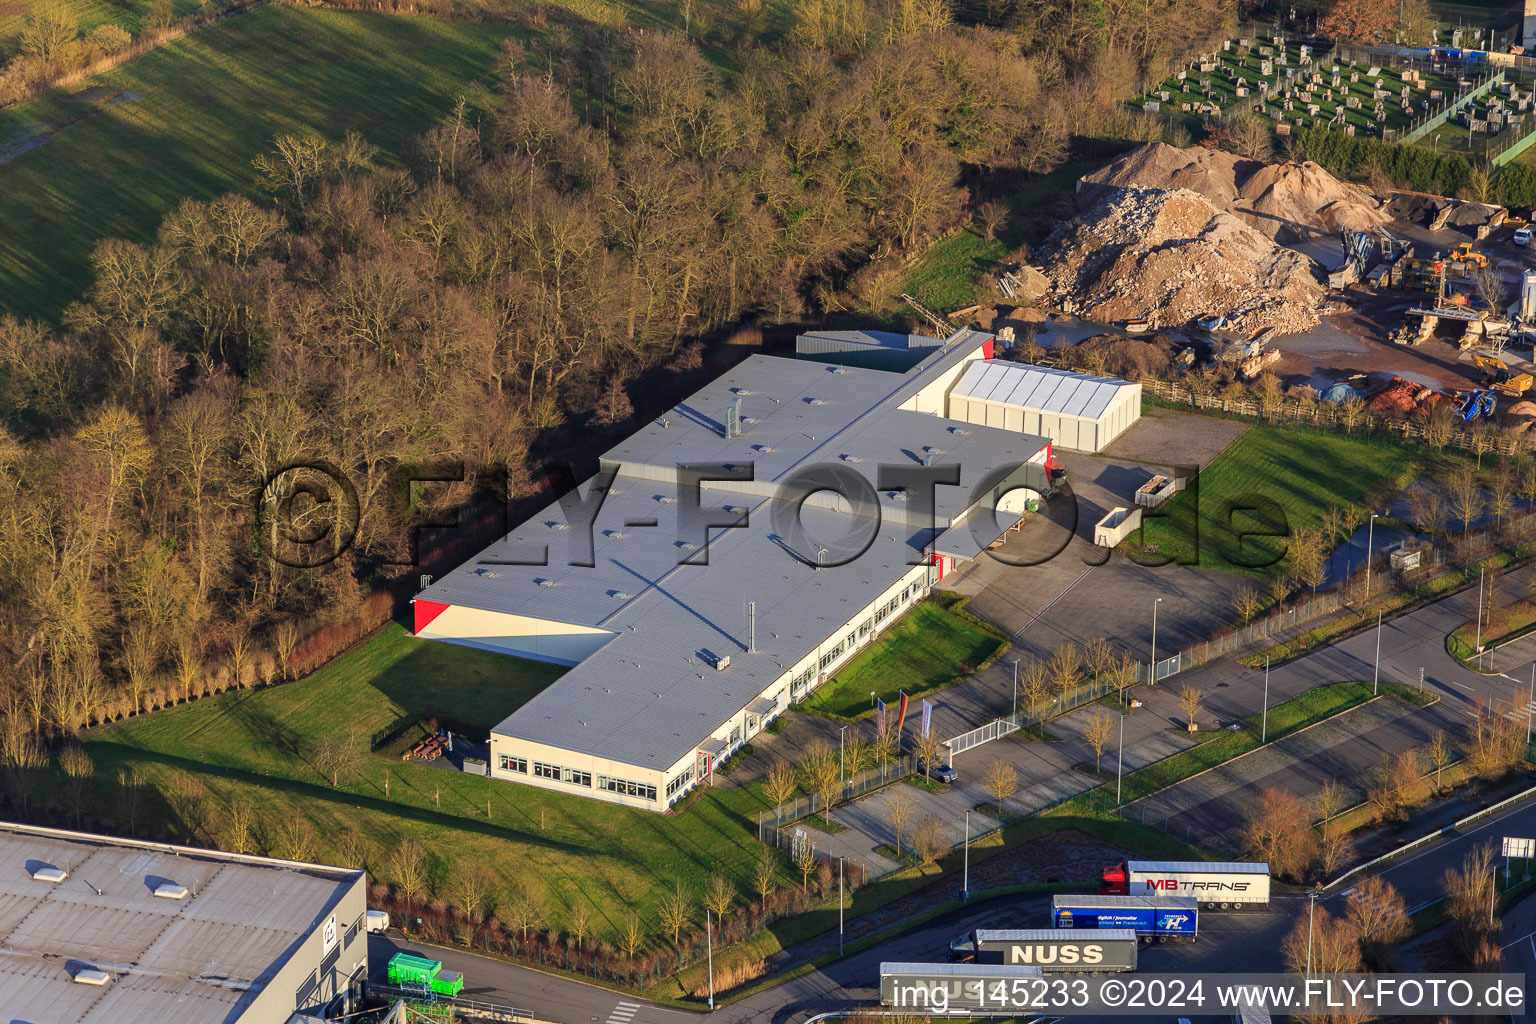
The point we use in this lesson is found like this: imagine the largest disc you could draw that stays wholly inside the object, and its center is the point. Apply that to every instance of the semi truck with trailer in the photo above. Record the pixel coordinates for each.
(1217, 885)
(1152, 918)
(1053, 950)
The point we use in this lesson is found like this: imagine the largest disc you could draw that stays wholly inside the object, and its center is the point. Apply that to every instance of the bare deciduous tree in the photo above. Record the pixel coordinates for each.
(1189, 702)
(899, 810)
(1098, 731)
(1002, 781)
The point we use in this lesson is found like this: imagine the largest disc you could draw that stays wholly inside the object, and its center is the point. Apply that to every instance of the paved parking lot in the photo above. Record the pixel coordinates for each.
(1348, 749)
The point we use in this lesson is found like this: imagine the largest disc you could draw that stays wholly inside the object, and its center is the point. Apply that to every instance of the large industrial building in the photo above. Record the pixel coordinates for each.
(95, 930)
(687, 640)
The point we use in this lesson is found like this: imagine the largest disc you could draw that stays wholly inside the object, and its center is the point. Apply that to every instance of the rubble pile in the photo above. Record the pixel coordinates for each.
(1291, 202)
(1519, 417)
(1286, 201)
(1171, 256)
(1400, 396)
(1213, 173)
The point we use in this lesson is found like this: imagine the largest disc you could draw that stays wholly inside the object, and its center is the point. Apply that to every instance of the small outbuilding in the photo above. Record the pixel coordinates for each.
(1075, 410)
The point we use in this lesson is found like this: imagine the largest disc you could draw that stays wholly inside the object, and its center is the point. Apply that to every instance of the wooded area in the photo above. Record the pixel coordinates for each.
(621, 204)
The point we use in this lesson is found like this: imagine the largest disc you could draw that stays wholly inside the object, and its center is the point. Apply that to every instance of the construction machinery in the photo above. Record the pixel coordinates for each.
(1358, 249)
(1478, 403)
(1464, 254)
(1501, 378)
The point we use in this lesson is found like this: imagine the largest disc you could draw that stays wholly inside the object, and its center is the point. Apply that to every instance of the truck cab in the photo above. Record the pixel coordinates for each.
(1113, 883)
(1523, 235)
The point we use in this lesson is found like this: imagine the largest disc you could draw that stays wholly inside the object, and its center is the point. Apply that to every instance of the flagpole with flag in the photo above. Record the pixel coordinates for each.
(880, 719)
(901, 717)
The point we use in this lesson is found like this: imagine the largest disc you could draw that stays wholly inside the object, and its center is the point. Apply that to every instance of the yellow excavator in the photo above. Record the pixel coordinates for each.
(1463, 254)
(1501, 378)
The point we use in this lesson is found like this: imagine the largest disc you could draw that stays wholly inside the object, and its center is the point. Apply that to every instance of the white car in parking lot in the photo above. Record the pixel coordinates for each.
(1523, 235)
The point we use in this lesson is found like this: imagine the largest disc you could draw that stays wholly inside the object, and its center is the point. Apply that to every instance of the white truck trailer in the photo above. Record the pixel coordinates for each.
(1217, 885)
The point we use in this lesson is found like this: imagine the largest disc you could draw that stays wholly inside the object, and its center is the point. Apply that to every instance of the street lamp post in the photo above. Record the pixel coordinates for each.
(1152, 675)
(839, 906)
(709, 945)
(1480, 572)
(1530, 706)
(1120, 760)
(965, 884)
(1370, 550)
(1376, 672)
(841, 777)
(1264, 721)
(1311, 912)
(1016, 691)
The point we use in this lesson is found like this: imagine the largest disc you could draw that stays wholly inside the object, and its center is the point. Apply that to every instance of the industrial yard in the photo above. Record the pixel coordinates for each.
(1197, 265)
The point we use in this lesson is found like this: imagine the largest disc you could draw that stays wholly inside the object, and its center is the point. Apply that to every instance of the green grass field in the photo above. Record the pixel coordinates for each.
(927, 649)
(1270, 482)
(252, 747)
(191, 116)
(128, 14)
(946, 276)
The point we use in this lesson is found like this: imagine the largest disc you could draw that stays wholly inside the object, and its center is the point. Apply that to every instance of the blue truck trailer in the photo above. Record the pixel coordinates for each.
(1160, 918)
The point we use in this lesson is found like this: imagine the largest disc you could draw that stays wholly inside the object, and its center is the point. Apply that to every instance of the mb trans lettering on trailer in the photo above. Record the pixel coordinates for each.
(1223, 886)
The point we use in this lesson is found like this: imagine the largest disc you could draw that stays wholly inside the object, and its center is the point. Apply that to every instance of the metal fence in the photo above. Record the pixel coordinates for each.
(1353, 419)
(1002, 726)
(856, 786)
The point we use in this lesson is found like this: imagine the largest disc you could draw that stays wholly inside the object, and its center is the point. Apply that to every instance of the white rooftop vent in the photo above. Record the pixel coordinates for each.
(554, 525)
(762, 447)
(740, 391)
(666, 499)
(171, 891)
(47, 872)
(489, 574)
(722, 663)
(91, 976)
(817, 401)
(544, 581)
(849, 458)
(615, 534)
(837, 369)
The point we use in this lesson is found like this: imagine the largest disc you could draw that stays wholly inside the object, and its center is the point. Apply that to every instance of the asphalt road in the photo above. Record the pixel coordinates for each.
(1229, 942)
(1239, 942)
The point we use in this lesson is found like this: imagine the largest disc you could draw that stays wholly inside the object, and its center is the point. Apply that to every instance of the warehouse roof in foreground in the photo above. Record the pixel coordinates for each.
(207, 954)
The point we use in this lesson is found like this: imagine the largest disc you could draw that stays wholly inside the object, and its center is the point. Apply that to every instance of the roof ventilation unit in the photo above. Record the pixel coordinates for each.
(41, 872)
(544, 581)
(91, 976)
(817, 401)
(722, 663)
(485, 573)
(169, 890)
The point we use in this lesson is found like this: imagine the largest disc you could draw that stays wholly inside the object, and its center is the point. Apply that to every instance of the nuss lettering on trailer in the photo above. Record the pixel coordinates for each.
(1049, 953)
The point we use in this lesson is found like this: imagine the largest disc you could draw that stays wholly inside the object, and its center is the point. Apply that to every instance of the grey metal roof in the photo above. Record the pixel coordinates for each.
(1095, 902)
(203, 958)
(651, 694)
(1222, 866)
(984, 935)
(872, 339)
(1039, 388)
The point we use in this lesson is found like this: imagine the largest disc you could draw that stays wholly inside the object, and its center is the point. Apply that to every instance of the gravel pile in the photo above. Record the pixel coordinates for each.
(1287, 201)
(1171, 256)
